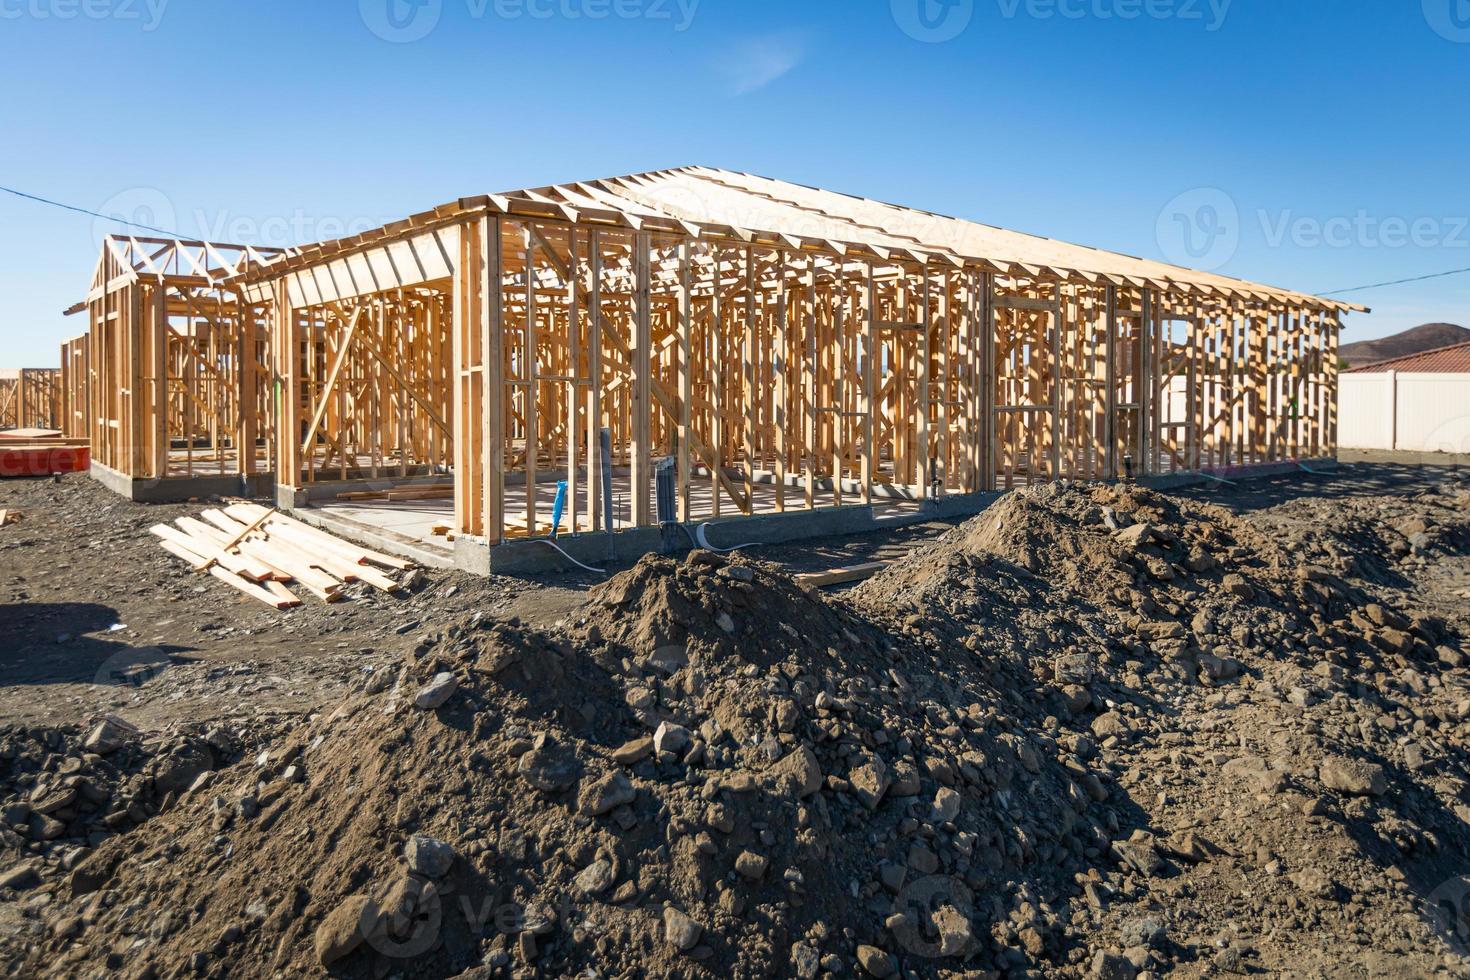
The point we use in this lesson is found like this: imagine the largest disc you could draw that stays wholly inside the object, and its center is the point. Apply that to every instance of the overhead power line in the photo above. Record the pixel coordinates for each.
(174, 234)
(95, 214)
(1396, 282)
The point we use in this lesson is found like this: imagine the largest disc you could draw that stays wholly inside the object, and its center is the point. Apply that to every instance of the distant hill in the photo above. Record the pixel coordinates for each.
(1426, 336)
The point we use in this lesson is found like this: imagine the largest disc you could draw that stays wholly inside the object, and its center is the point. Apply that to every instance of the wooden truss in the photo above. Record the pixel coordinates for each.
(169, 379)
(782, 348)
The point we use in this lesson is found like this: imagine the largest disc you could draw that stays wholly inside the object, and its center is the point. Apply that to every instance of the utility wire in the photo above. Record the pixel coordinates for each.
(95, 214)
(1396, 282)
(174, 234)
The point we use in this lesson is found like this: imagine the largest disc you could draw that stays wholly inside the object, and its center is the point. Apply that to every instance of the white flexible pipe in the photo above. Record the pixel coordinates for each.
(548, 541)
(704, 541)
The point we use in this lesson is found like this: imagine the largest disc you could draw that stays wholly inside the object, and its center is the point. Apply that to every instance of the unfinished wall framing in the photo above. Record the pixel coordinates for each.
(783, 348)
(76, 392)
(176, 384)
(30, 398)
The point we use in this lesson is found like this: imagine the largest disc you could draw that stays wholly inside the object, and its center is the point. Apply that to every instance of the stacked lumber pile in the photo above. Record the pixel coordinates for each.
(412, 492)
(257, 550)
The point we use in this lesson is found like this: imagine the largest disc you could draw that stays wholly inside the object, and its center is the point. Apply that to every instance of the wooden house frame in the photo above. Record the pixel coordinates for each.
(784, 348)
(170, 380)
(76, 392)
(30, 398)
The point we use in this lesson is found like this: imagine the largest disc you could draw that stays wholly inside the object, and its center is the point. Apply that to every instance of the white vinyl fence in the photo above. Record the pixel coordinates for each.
(1427, 413)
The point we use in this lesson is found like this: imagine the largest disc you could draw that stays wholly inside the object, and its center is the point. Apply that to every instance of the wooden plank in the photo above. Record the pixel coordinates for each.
(281, 592)
(642, 408)
(265, 595)
(595, 387)
(177, 549)
(684, 377)
(248, 510)
(314, 580)
(780, 389)
(748, 385)
(208, 550)
(838, 576)
(330, 385)
(237, 538)
(869, 462)
(492, 339)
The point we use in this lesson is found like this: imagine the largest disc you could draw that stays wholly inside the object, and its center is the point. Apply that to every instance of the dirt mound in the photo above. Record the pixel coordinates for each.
(1380, 539)
(66, 789)
(1063, 741)
(1269, 707)
(1077, 535)
(714, 773)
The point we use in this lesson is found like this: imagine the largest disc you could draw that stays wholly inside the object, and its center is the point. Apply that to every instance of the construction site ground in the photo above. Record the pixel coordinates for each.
(1245, 753)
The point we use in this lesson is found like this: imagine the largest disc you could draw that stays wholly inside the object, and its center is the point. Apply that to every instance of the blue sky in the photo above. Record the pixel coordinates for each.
(1315, 144)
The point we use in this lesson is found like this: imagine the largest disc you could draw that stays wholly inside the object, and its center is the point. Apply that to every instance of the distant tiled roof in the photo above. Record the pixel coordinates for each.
(1454, 359)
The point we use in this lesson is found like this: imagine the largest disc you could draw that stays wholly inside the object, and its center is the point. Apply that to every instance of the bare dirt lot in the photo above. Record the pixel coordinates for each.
(1094, 731)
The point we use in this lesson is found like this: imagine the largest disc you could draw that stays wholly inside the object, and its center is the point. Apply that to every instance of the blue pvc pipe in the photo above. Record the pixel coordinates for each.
(558, 506)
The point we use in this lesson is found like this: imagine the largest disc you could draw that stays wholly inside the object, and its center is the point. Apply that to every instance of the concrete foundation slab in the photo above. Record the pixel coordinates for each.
(1230, 474)
(405, 527)
(595, 550)
(402, 528)
(175, 489)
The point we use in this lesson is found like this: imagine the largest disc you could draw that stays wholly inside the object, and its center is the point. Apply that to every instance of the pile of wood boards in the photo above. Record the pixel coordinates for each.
(408, 492)
(257, 550)
(8, 516)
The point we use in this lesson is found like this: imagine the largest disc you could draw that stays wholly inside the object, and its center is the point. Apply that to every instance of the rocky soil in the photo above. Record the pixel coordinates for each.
(1096, 731)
